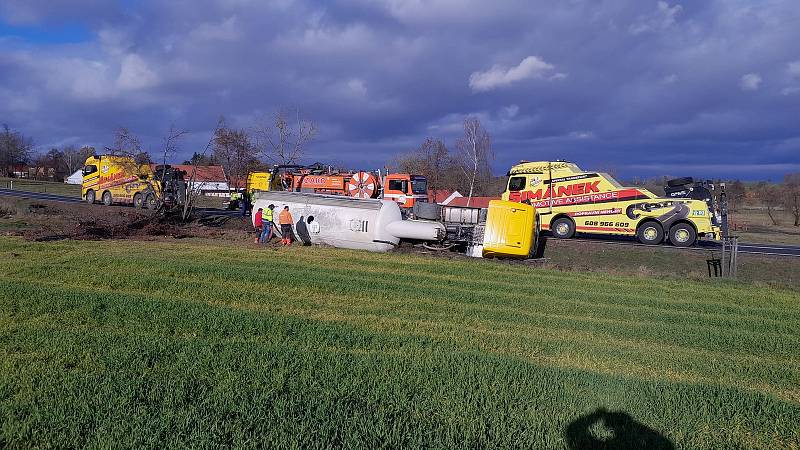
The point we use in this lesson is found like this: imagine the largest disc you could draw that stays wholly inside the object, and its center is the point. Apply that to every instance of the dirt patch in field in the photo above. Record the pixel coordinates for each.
(48, 221)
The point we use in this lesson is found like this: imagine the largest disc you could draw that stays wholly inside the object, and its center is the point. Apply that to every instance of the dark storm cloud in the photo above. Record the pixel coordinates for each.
(703, 88)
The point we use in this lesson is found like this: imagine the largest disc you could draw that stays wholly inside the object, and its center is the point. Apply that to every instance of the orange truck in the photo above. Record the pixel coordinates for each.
(403, 188)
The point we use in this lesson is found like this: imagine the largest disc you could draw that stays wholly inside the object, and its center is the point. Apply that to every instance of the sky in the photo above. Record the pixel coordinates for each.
(639, 87)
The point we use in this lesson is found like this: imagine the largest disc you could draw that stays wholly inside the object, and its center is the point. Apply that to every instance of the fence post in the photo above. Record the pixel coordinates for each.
(730, 256)
(724, 259)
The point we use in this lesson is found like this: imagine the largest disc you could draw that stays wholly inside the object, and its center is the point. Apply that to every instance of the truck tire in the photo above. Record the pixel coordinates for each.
(107, 198)
(682, 235)
(90, 197)
(563, 228)
(138, 201)
(650, 233)
(683, 181)
(150, 202)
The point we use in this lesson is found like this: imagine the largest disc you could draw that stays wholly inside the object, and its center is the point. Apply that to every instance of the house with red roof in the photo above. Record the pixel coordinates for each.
(442, 196)
(206, 180)
(474, 202)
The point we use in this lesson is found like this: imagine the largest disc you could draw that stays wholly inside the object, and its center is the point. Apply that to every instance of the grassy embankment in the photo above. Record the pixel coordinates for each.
(666, 261)
(193, 343)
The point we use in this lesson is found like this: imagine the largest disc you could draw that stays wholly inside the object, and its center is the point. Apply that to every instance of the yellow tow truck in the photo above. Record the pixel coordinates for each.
(119, 179)
(570, 200)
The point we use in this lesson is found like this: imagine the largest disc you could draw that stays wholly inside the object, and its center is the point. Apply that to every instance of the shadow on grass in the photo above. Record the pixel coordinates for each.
(604, 429)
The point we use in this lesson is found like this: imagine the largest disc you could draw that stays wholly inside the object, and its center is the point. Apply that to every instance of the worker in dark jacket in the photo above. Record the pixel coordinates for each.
(245, 203)
(286, 221)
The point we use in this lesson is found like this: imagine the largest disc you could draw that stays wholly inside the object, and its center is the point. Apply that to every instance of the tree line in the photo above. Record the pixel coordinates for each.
(284, 136)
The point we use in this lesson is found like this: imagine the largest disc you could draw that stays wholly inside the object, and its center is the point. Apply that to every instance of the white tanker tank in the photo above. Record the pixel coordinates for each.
(345, 222)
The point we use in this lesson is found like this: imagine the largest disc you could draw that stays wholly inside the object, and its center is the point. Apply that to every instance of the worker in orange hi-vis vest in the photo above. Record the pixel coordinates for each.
(286, 221)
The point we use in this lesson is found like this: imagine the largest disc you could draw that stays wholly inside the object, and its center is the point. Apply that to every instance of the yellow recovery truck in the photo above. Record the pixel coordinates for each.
(119, 179)
(571, 200)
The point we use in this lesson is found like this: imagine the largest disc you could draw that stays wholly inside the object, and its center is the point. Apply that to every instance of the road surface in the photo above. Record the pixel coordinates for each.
(67, 199)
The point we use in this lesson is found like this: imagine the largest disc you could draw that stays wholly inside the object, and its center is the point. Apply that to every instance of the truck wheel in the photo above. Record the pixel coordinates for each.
(90, 197)
(107, 199)
(138, 201)
(150, 202)
(563, 228)
(682, 235)
(650, 233)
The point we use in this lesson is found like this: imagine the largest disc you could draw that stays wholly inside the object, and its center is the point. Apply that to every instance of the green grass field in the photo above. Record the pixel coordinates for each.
(759, 227)
(194, 343)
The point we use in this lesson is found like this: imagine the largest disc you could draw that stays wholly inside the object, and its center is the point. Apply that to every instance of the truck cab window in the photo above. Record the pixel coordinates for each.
(419, 185)
(396, 185)
(516, 184)
(87, 170)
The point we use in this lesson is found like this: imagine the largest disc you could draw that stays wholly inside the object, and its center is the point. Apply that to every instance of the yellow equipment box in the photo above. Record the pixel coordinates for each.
(510, 229)
(259, 181)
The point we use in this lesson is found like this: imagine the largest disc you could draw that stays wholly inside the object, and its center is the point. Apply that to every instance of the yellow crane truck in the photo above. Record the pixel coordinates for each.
(570, 200)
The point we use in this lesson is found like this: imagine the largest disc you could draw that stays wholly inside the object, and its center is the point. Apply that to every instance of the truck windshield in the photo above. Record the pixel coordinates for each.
(419, 185)
(516, 184)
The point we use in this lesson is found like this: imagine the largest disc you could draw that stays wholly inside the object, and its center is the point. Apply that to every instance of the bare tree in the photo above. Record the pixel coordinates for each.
(128, 145)
(74, 158)
(192, 188)
(235, 150)
(433, 160)
(125, 143)
(735, 193)
(769, 195)
(15, 149)
(475, 154)
(284, 139)
(791, 196)
(170, 143)
(169, 148)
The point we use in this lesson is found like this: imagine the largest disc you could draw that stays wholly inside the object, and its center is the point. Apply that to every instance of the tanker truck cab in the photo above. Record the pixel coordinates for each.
(405, 189)
(570, 200)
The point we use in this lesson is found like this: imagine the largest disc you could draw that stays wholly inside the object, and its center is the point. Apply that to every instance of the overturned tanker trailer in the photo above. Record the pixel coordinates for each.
(505, 229)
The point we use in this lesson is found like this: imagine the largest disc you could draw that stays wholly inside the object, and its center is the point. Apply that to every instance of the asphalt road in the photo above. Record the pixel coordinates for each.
(67, 199)
(755, 249)
(39, 196)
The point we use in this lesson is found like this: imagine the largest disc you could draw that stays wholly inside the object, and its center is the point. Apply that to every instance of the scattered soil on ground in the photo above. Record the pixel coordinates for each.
(38, 220)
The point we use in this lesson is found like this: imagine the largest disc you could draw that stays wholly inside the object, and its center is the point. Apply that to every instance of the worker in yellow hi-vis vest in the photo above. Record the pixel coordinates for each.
(267, 219)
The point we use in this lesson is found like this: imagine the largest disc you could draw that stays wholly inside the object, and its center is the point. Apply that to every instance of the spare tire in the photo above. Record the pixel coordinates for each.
(427, 211)
(683, 181)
